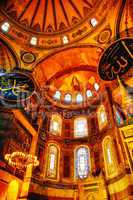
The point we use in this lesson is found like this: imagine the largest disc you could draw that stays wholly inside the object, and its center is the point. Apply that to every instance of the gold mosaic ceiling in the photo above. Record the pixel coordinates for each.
(50, 16)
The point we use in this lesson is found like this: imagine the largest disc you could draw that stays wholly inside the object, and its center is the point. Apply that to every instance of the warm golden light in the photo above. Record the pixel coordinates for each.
(21, 160)
(12, 192)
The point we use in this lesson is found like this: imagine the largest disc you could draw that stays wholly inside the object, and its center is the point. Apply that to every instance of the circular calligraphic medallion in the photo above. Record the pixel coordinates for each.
(15, 87)
(28, 57)
(116, 60)
(104, 36)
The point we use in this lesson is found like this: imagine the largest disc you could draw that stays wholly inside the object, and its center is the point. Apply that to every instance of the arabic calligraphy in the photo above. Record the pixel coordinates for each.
(15, 86)
(117, 59)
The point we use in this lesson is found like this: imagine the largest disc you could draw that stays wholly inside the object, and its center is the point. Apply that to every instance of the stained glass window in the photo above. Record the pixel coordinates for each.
(94, 22)
(56, 124)
(65, 39)
(57, 95)
(52, 162)
(118, 118)
(80, 127)
(102, 117)
(33, 41)
(82, 162)
(89, 93)
(79, 98)
(5, 26)
(110, 157)
(68, 98)
(96, 86)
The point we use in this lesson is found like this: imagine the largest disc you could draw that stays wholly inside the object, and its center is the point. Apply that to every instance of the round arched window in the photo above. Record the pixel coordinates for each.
(68, 98)
(57, 95)
(96, 86)
(79, 98)
(89, 93)
(82, 162)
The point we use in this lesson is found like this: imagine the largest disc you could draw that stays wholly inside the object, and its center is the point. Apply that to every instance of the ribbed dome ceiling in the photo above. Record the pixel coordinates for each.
(50, 16)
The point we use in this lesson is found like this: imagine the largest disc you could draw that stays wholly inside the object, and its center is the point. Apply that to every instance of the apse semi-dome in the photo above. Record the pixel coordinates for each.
(69, 78)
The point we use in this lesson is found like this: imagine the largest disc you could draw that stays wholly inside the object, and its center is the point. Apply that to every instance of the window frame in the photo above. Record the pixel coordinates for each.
(102, 124)
(66, 101)
(59, 121)
(76, 176)
(111, 164)
(58, 97)
(48, 173)
(84, 118)
(81, 96)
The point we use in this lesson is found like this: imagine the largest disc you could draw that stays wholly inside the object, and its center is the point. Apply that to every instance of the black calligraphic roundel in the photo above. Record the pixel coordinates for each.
(15, 87)
(116, 60)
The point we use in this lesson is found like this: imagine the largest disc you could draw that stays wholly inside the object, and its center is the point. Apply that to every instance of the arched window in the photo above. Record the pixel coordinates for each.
(79, 98)
(33, 41)
(119, 114)
(110, 157)
(80, 127)
(102, 117)
(65, 39)
(82, 167)
(94, 22)
(57, 95)
(96, 86)
(118, 118)
(56, 124)
(52, 161)
(89, 93)
(5, 27)
(68, 98)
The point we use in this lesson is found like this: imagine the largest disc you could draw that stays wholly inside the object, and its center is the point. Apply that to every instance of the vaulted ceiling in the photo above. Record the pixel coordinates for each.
(50, 16)
(66, 61)
(49, 21)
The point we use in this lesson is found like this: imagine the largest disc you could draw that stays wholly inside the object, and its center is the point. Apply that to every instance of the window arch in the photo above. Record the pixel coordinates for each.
(102, 117)
(80, 127)
(52, 161)
(56, 124)
(96, 86)
(79, 98)
(89, 93)
(5, 27)
(57, 95)
(118, 116)
(33, 41)
(119, 119)
(65, 39)
(110, 157)
(82, 163)
(68, 98)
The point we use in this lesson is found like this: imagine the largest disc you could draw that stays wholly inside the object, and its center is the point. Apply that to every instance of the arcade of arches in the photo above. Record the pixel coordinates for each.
(66, 100)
